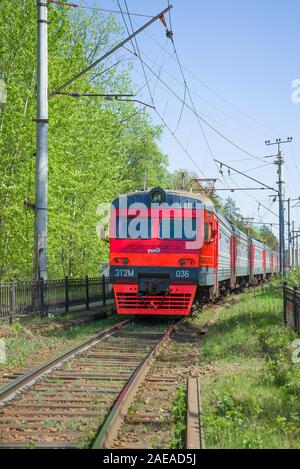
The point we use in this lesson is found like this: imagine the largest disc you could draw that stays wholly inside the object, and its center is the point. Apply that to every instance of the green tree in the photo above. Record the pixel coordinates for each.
(97, 150)
(268, 237)
(231, 210)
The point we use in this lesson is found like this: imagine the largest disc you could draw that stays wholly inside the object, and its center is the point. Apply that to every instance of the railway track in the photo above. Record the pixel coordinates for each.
(64, 403)
(149, 421)
(82, 398)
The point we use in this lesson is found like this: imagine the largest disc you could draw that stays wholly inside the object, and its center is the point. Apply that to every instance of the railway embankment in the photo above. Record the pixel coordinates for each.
(250, 378)
(30, 343)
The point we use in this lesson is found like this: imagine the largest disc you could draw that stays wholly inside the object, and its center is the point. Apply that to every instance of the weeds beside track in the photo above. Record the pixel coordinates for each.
(250, 386)
(64, 403)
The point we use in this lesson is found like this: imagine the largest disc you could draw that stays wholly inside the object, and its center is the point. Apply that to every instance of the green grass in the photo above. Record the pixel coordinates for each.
(250, 386)
(27, 349)
(178, 410)
(292, 279)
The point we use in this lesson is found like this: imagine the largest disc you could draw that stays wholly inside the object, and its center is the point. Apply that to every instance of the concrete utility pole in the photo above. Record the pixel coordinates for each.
(41, 191)
(293, 245)
(41, 187)
(280, 162)
(281, 183)
(289, 232)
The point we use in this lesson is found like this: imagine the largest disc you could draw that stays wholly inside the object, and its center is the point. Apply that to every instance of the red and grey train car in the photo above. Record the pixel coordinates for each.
(169, 249)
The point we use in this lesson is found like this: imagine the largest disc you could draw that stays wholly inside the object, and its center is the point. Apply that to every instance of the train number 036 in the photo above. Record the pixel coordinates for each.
(182, 274)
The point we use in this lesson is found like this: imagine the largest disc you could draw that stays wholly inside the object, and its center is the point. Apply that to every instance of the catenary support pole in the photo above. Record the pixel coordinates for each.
(281, 191)
(293, 245)
(41, 190)
(289, 232)
(280, 162)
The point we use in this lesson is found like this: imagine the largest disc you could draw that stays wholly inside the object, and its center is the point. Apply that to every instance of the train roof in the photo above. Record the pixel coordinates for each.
(240, 233)
(183, 197)
(172, 197)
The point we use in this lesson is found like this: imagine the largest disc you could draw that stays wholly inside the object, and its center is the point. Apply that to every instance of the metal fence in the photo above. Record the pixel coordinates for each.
(28, 298)
(291, 298)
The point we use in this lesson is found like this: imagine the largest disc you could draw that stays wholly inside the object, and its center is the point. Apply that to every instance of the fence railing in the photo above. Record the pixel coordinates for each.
(29, 298)
(291, 299)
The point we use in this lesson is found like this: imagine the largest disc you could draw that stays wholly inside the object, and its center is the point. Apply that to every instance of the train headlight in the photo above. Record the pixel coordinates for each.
(157, 195)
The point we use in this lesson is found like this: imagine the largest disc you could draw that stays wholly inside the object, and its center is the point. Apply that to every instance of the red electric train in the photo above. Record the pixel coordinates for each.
(169, 249)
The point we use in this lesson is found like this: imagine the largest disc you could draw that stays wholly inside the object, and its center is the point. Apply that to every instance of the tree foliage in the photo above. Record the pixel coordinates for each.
(97, 149)
(264, 234)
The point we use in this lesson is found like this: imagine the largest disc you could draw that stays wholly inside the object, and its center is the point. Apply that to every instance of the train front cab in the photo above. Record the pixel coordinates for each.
(156, 275)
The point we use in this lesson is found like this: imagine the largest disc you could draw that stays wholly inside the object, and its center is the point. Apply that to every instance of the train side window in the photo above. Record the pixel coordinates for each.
(207, 232)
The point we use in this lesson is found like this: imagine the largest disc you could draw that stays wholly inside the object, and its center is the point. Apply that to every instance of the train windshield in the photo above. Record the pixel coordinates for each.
(134, 228)
(165, 228)
(178, 228)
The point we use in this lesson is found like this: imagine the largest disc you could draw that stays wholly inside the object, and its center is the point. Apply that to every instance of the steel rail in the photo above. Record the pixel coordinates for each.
(195, 430)
(10, 390)
(112, 424)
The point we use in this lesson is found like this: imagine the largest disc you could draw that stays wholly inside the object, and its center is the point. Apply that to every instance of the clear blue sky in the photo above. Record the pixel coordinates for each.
(247, 52)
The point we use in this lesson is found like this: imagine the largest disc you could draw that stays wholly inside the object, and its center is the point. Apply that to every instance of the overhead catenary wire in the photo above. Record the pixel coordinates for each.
(163, 63)
(222, 124)
(138, 111)
(233, 106)
(260, 204)
(254, 169)
(210, 104)
(178, 142)
(100, 9)
(191, 99)
(108, 53)
(192, 102)
(197, 114)
(184, 104)
(138, 53)
(200, 118)
(243, 174)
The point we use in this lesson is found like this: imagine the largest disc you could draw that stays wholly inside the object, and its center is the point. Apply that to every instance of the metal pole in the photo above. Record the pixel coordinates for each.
(297, 252)
(66, 294)
(280, 162)
(293, 246)
(12, 303)
(87, 295)
(41, 187)
(281, 183)
(289, 232)
(103, 290)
